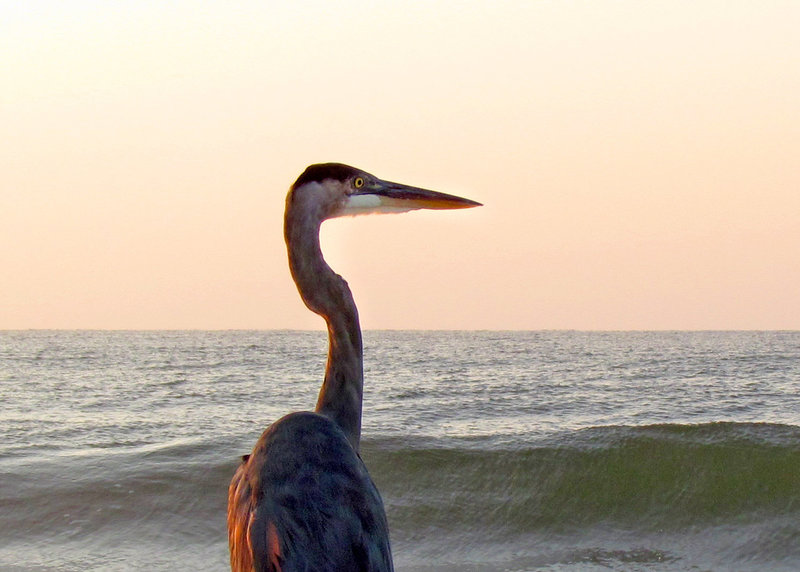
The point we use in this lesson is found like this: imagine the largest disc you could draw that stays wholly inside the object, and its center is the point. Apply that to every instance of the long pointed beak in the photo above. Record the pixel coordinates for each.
(396, 194)
(386, 197)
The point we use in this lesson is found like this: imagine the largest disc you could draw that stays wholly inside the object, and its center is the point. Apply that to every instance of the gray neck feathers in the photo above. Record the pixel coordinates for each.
(327, 294)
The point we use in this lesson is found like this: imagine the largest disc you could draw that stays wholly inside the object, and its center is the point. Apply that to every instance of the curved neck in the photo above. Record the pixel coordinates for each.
(327, 294)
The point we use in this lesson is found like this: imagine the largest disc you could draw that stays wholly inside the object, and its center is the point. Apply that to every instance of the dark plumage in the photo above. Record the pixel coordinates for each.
(314, 492)
(322, 171)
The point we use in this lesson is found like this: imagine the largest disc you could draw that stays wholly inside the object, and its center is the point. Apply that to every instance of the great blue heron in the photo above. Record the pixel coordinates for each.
(303, 499)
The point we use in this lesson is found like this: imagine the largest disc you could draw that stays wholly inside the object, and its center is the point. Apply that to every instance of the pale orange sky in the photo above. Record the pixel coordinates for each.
(639, 162)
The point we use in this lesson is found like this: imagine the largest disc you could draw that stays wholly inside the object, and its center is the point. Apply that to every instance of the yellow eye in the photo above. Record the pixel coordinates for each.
(358, 182)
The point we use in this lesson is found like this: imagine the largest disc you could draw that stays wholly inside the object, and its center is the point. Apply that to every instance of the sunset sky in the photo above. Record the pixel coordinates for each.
(639, 162)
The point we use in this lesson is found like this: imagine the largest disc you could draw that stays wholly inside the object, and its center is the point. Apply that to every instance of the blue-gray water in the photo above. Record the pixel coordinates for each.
(558, 451)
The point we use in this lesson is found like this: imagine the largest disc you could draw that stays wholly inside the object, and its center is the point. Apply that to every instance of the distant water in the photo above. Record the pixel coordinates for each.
(494, 451)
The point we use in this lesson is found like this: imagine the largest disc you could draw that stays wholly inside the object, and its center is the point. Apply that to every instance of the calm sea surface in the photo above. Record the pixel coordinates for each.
(494, 451)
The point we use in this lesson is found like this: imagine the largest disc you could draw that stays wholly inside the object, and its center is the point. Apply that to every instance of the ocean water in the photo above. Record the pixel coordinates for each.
(494, 451)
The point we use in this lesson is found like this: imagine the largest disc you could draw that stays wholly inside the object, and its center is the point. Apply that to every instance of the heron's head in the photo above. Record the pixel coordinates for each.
(331, 190)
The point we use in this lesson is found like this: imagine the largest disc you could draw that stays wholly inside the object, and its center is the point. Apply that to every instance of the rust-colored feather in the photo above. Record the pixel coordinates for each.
(239, 518)
(274, 547)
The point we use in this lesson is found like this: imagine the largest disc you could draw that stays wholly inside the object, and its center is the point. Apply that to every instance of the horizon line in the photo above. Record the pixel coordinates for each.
(475, 330)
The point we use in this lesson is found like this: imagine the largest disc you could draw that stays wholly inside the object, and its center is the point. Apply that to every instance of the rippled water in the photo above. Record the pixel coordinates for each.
(493, 450)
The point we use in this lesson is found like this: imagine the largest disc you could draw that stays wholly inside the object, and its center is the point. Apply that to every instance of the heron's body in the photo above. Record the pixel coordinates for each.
(303, 500)
(317, 508)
